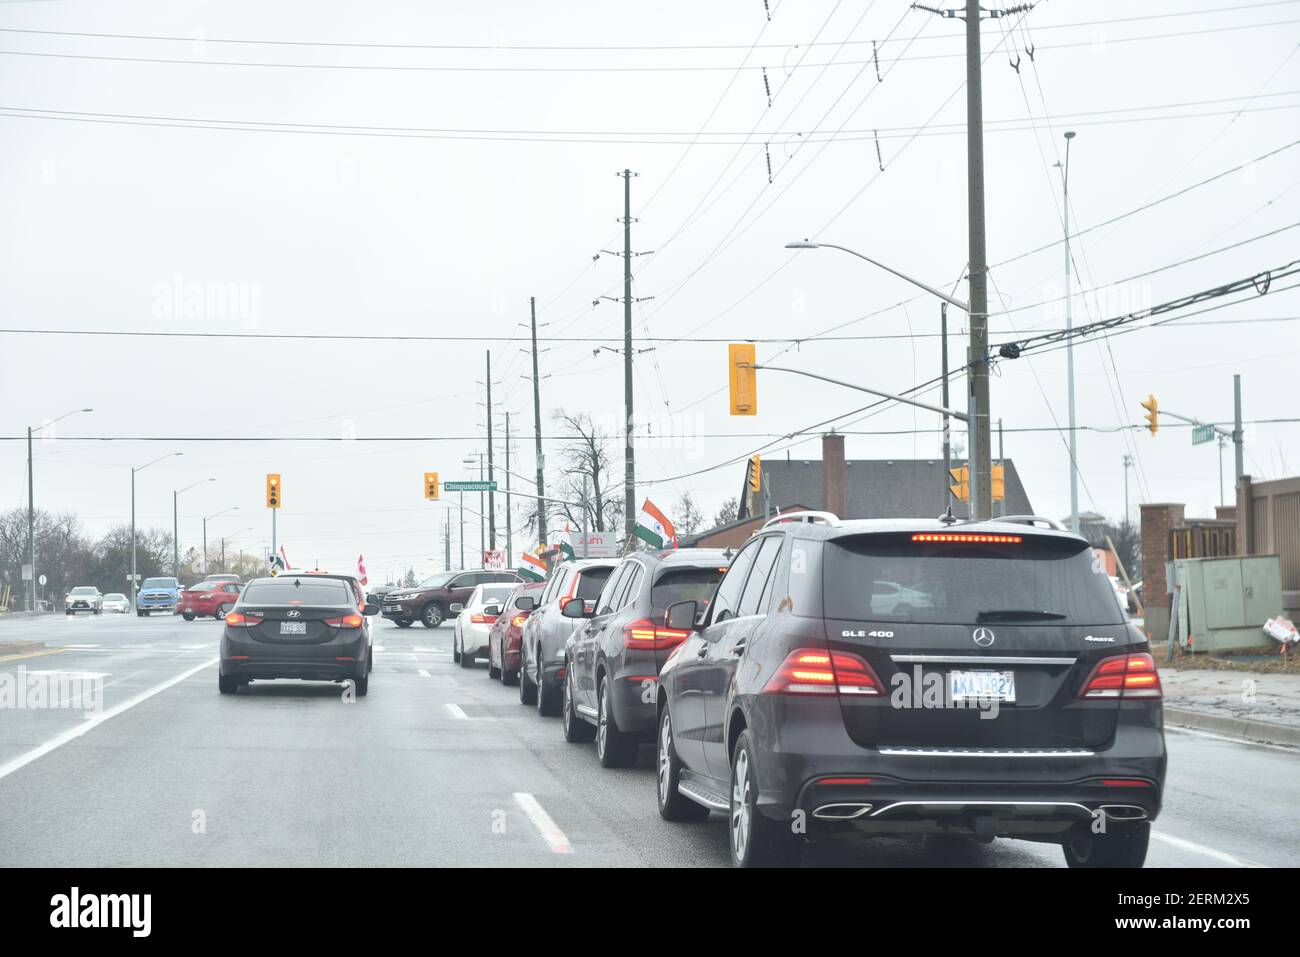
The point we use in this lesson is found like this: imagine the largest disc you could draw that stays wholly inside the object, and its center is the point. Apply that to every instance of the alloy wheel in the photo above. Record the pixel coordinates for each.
(740, 809)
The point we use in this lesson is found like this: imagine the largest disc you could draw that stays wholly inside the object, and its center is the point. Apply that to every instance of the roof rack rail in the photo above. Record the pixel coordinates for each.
(824, 518)
(1031, 520)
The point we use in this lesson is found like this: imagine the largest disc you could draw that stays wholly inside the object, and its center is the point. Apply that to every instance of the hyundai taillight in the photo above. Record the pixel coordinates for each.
(238, 619)
(1123, 676)
(483, 619)
(812, 671)
(345, 621)
(518, 620)
(644, 633)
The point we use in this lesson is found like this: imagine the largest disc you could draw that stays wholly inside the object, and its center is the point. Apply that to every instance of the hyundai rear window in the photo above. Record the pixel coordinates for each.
(295, 591)
(686, 584)
(1037, 580)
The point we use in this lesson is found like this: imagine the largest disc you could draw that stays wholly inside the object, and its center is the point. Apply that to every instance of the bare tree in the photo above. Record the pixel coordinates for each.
(687, 517)
(727, 512)
(585, 455)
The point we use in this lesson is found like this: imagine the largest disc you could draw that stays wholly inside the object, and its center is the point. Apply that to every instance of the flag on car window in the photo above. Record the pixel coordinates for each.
(532, 567)
(653, 527)
(564, 542)
(361, 570)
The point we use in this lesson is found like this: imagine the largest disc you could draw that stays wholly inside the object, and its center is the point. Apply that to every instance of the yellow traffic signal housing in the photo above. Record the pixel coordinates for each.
(273, 490)
(999, 483)
(1153, 410)
(741, 358)
(960, 475)
(431, 486)
(755, 474)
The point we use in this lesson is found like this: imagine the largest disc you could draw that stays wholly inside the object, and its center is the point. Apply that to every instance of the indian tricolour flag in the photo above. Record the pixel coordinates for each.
(653, 527)
(532, 567)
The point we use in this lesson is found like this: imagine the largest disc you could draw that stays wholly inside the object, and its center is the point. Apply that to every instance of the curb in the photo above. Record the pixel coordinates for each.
(1243, 728)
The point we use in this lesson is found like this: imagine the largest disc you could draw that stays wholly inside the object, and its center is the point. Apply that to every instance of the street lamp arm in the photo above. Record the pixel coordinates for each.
(964, 307)
(960, 416)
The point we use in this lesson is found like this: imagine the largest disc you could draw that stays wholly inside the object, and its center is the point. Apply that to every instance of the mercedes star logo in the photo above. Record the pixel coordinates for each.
(983, 636)
(295, 613)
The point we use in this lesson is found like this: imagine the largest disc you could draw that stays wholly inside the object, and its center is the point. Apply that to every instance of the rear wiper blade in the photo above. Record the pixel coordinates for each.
(1018, 614)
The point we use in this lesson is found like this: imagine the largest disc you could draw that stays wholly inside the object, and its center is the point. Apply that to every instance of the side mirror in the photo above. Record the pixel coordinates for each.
(574, 608)
(457, 608)
(372, 608)
(493, 610)
(681, 616)
(525, 603)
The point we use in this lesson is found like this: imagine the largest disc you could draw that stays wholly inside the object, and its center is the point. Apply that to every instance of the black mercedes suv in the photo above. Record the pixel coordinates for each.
(913, 677)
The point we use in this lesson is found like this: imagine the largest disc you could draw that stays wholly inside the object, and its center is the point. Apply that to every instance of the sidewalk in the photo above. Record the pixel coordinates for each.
(1241, 704)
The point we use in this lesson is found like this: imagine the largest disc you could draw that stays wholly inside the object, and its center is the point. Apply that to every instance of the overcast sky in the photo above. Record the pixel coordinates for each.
(117, 217)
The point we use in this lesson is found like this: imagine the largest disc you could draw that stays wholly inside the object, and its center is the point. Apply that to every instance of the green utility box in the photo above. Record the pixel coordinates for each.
(1224, 602)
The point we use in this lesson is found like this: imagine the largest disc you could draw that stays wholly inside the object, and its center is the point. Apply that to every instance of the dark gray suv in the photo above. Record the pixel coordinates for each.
(541, 653)
(1007, 697)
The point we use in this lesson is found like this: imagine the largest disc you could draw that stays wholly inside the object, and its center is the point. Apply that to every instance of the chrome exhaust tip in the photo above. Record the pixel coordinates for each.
(1124, 812)
(841, 812)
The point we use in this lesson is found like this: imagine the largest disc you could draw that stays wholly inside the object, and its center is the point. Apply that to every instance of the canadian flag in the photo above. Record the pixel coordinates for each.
(361, 570)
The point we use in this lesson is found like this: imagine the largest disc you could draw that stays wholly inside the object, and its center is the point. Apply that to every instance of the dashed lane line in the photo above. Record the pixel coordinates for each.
(457, 712)
(550, 831)
(1186, 845)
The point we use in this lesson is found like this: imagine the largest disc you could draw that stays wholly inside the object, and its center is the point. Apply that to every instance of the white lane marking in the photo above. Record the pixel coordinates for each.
(456, 712)
(1223, 737)
(80, 647)
(424, 673)
(550, 831)
(9, 767)
(1186, 845)
(379, 648)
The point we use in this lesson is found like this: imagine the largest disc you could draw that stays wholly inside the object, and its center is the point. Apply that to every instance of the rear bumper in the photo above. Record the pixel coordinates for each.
(814, 766)
(342, 657)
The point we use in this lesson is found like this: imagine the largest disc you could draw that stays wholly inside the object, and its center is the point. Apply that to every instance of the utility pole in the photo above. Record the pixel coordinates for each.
(446, 542)
(462, 530)
(629, 471)
(509, 536)
(977, 358)
(1128, 464)
(947, 437)
(537, 426)
(1237, 436)
(1069, 341)
(31, 522)
(491, 495)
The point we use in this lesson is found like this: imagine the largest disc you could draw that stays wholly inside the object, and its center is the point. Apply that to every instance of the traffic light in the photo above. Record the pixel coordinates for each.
(960, 475)
(431, 486)
(741, 358)
(755, 474)
(1153, 410)
(273, 490)
(999, 483)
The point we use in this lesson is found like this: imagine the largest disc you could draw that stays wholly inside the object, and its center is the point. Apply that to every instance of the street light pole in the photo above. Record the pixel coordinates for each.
(176, 532)
(31, 503)
(1069, 340)
(134, 469)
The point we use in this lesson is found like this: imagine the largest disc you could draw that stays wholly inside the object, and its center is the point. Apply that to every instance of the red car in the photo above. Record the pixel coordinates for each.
(213, 598)
(504, 638)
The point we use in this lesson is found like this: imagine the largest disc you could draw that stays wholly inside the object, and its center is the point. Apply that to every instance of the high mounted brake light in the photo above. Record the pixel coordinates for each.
(979, 538)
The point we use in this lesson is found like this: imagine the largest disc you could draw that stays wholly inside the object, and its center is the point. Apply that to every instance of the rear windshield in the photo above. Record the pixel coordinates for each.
(686, 584)
(83, 590)
(496, 594)
(298, 591)
(1040, 580)
(592, 581)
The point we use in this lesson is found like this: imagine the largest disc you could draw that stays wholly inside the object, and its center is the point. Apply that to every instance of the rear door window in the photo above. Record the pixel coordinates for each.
(321, 591)
(728, 600)
(605, 604)
(1039, 579)
(628, 594)
(754, 587)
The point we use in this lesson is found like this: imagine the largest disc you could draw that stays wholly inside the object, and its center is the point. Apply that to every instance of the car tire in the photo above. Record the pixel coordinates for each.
(508, 677)
(227, 684)
(755, 840)
(614, 748)
(402, 624)
(493, 671)
(138, 614)
(188, 615)
(1122, 845)
(67, 612)
(99, 611)
(432, 615)
(576, 731)
(549, 699)
(466, 660)
(455, 651)
(527, 687)
(362, 685)
(673, 805)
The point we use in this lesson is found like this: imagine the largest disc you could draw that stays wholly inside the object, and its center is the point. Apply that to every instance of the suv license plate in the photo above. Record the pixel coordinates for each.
(982, 685)
(293, 628)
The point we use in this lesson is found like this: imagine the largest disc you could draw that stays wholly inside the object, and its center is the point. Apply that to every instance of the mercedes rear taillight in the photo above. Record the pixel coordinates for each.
(811, 671)
(644, 633)
(1123, 676)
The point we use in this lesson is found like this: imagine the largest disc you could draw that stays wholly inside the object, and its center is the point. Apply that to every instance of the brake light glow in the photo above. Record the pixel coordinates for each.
(967, 537)
(345, 621)
(811, 671)
(644, 633)
(483, 619)
(239, 619)
(518, 620)
(1123, 676)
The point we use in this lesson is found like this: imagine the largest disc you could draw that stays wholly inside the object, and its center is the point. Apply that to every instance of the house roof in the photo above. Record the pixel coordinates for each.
(878, 488)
